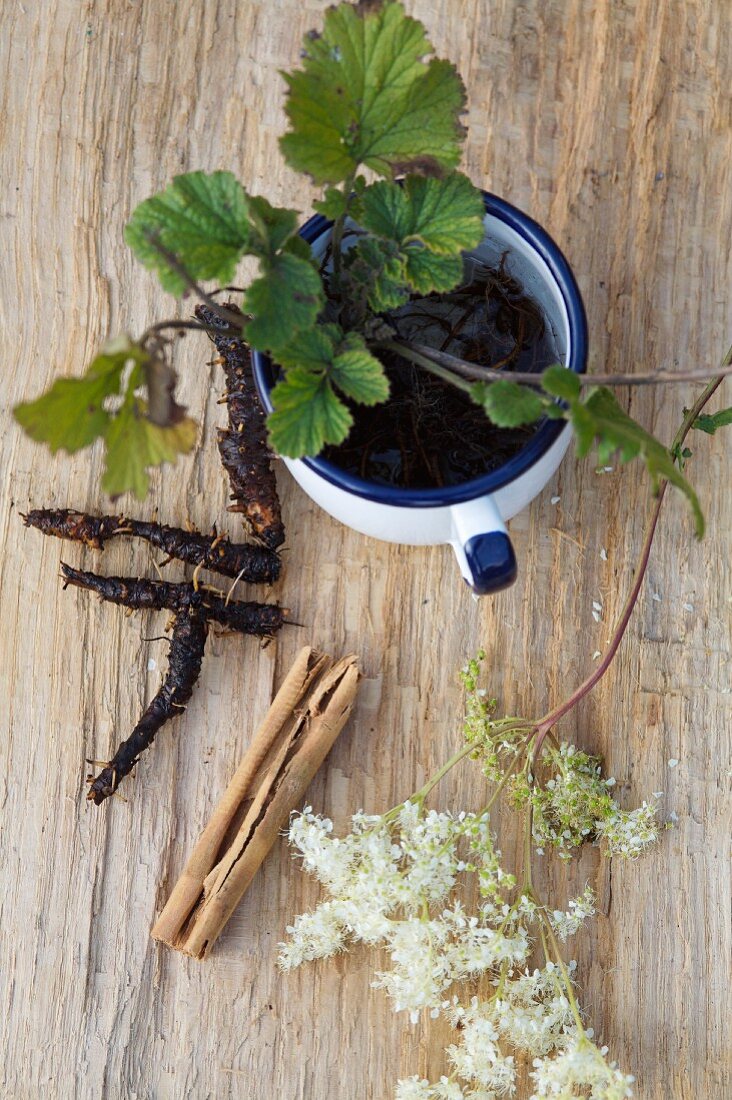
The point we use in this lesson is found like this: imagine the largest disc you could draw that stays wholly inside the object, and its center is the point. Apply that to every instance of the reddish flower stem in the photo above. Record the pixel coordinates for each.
(545, 724)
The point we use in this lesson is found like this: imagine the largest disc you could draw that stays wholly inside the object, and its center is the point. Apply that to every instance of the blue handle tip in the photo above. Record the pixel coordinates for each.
(491, 561)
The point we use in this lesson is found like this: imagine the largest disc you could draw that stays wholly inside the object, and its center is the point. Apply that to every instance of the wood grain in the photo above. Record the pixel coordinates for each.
(610, 124)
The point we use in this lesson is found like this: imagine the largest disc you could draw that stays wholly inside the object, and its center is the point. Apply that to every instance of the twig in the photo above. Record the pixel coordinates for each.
(419, 352)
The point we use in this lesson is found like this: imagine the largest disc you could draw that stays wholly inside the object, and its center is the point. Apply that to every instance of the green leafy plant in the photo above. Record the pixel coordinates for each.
(369, 97)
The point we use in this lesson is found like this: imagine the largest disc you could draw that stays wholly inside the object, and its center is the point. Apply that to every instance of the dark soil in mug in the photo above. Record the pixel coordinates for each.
(430, 434)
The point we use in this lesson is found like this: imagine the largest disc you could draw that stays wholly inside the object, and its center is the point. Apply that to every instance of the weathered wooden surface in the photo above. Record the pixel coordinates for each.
(610, 123)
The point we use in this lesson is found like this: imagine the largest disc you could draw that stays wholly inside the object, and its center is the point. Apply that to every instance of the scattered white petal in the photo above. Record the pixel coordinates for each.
(604, 469)
(597, 605)
(152, 664)
(674, 816)
(596, 654)
(603, 554)
(688, 607)
(656, 596)
(596, 616)
(555, 500)
(673, 762)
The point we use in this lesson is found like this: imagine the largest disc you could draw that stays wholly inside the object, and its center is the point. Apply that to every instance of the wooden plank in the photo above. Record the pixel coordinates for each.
(611, 125)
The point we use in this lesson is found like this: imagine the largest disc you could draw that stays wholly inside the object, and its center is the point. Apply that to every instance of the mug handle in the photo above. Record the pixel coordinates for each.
(482, 546)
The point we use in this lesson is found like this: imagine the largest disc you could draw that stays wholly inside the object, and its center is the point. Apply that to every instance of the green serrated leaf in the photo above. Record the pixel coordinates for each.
(426, 271)
(508, 404)
(374, 272)
(359, 374)
(286, 298)
(560, 382)
(585, 428)
(70, 415)
(134, 444)
(271, 227)
(298, 246)
(307, 414)
(344, 360)
(333, 204)
(711, 422)
(313, 348)
(442, 215)
(366, 96)
(432, 221)
(201, 219)
(601, 418)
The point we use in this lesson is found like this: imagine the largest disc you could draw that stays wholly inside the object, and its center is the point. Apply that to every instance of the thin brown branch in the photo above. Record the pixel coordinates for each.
(474, 373)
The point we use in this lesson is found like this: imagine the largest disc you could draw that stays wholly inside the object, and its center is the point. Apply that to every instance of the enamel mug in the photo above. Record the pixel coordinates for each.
(472, 516)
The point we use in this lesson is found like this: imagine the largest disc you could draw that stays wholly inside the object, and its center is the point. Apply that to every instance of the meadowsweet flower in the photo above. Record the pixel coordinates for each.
(447, 1089)
(582, 1065)
(429, 847)
(567, 923)
(494, 739)
(420, 971)
(478, 1058)
(629, 832)
(413, 1088)
(532, 1011)
(575, 806)
(392, 882)
(313, 936)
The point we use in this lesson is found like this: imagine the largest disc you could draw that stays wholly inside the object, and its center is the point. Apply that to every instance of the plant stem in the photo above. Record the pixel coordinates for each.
(528, 888)
(502, 783)
(560, 962)
(506, 725)
(235, 319)
(419, 353)
(545, 724)
(340, 225)
(163, 326)
(455, 759)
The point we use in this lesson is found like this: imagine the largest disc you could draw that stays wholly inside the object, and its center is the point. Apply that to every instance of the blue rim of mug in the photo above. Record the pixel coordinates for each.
(532, 451)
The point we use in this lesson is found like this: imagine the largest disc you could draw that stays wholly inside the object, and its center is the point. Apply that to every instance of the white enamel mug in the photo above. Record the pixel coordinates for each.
(472, 516)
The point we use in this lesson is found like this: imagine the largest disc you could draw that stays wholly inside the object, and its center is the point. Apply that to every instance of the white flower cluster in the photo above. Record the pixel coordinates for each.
(629, 832)
(567, 923)
(579, 1069)
(527, 1013)
(384, 878)
(391, 882)
(575, 806)
(582, 1065)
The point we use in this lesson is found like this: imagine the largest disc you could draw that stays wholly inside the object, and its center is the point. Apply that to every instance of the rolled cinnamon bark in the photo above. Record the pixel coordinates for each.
(306, 716)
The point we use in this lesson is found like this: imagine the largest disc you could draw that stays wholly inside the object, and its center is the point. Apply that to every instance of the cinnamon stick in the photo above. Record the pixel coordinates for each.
(306, 716)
